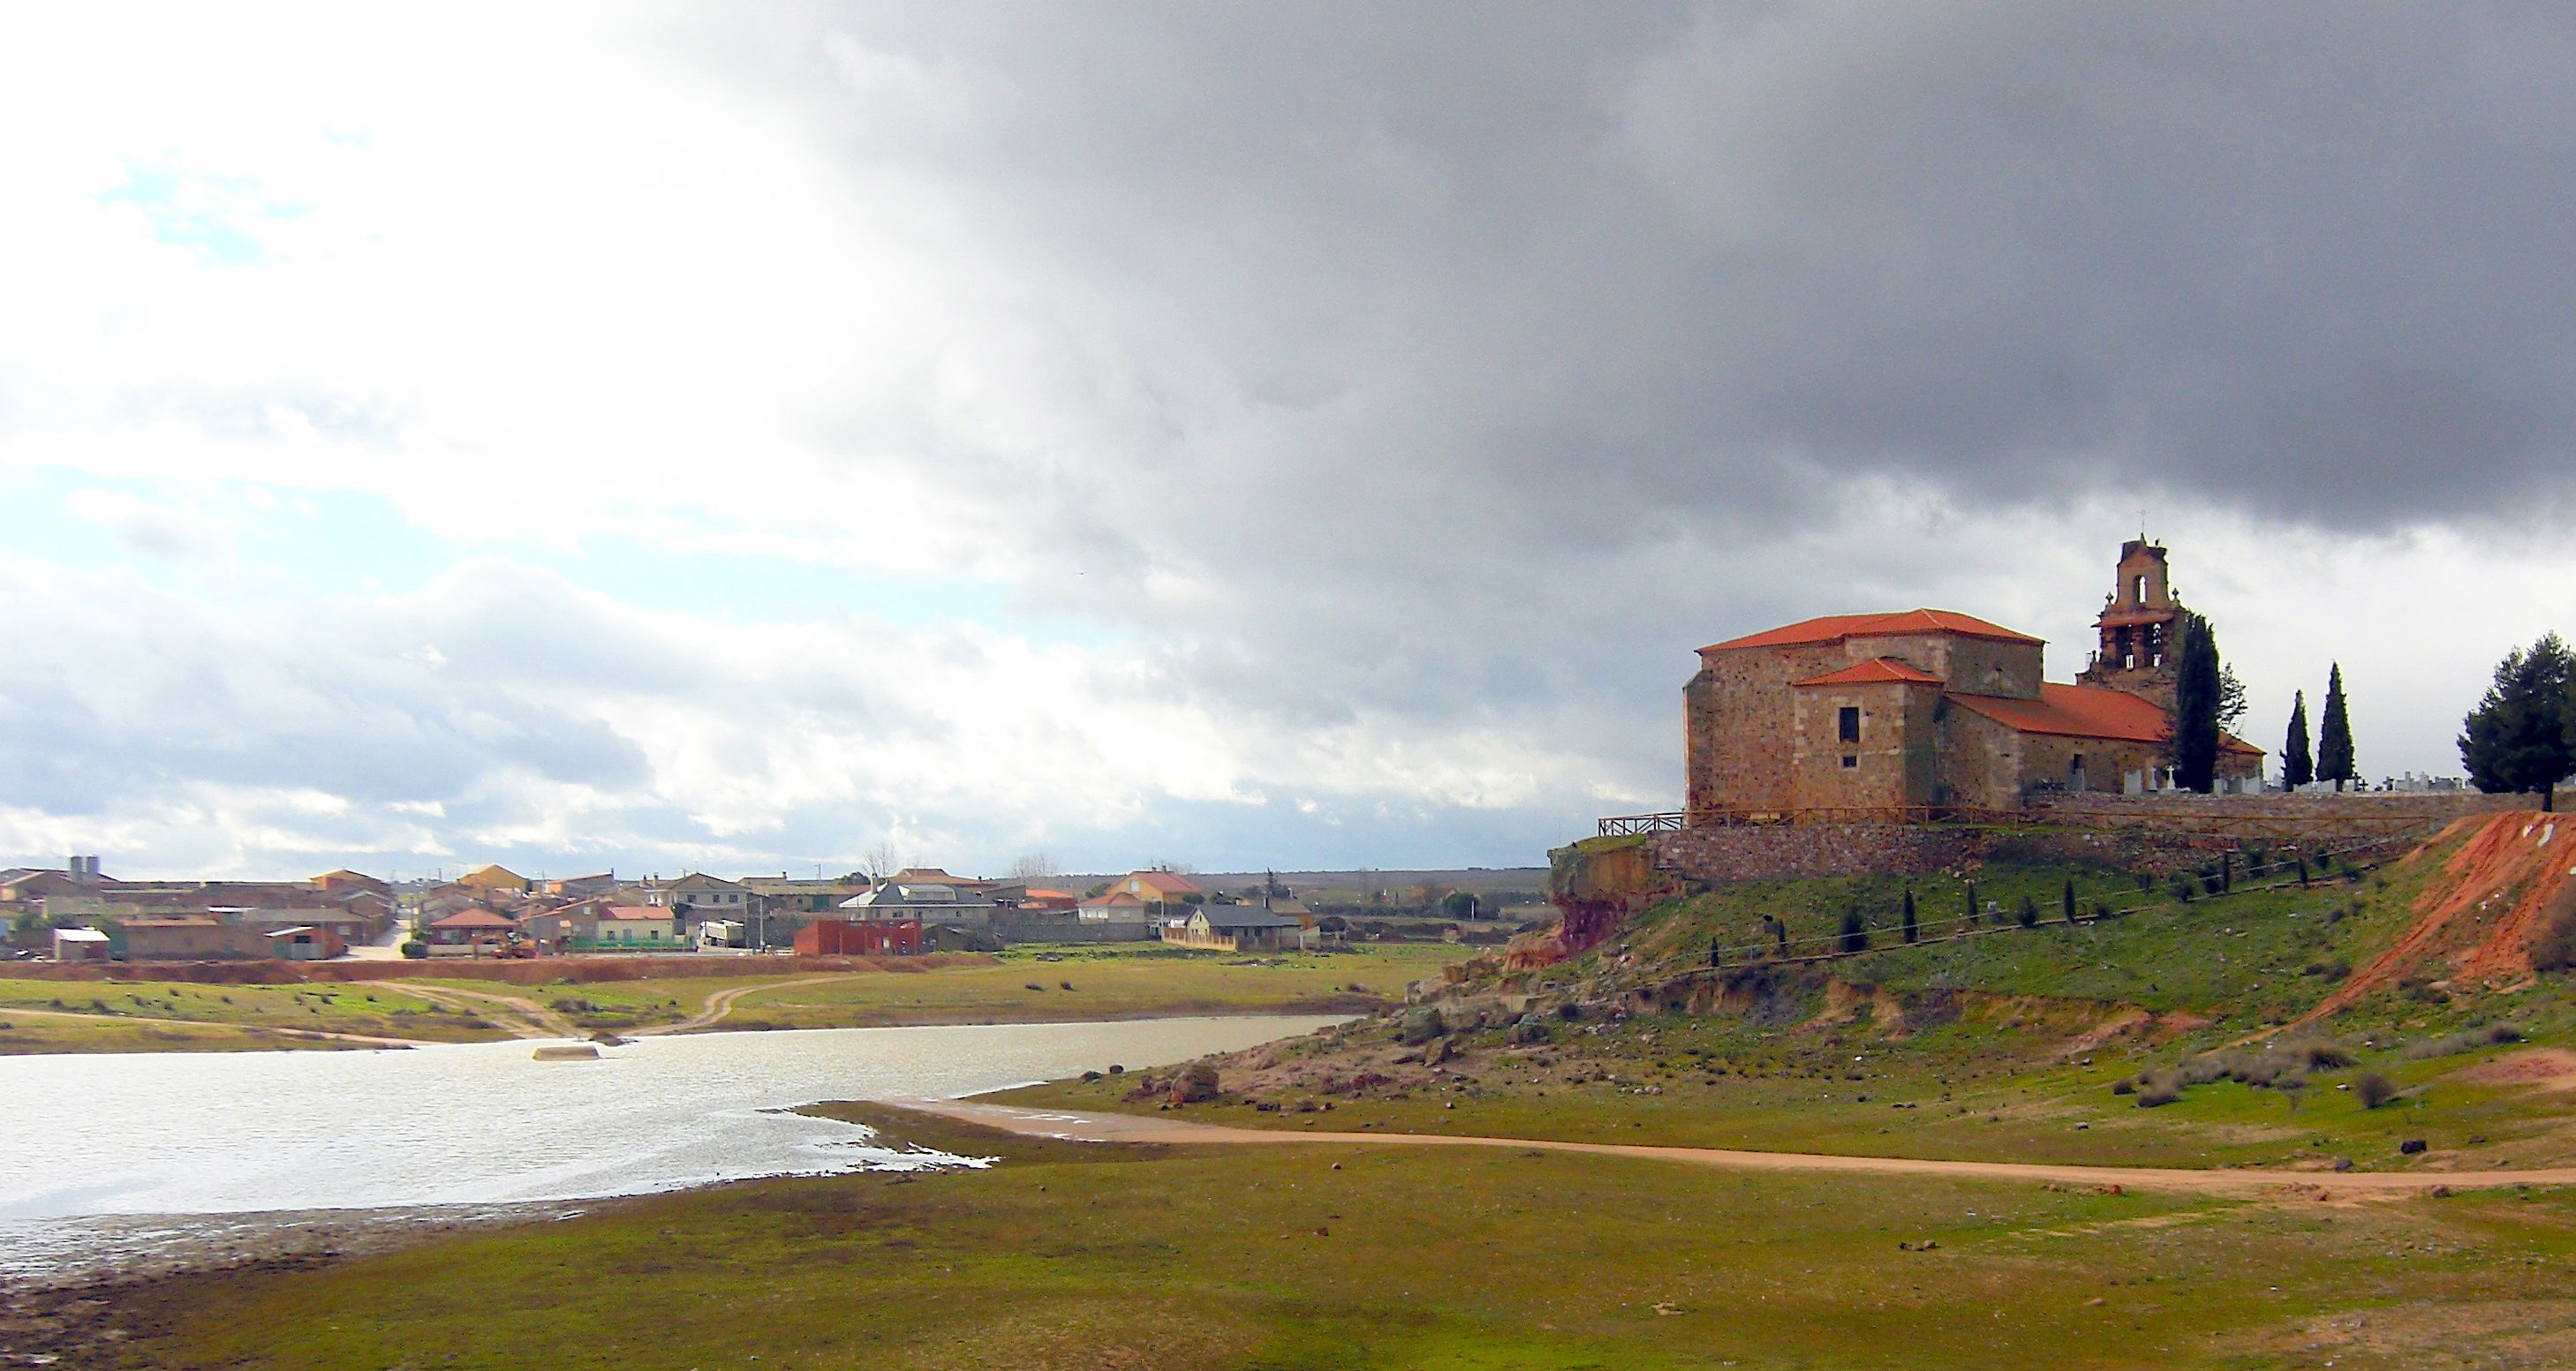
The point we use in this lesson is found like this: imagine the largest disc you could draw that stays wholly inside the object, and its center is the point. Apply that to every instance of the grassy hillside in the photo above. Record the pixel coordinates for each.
(1987, 1040)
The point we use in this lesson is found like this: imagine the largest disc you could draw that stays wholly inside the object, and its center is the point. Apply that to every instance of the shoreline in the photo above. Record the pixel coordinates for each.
(312, 1040)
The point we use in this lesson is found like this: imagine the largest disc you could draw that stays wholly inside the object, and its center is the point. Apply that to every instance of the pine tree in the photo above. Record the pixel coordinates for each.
(2194, 746)
(2522, 736)
(2334, 735)
(2297, 767)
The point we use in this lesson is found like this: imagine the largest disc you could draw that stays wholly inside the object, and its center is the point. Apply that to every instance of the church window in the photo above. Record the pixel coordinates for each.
(1850, 724)
(1850, 761)
(2141, 596)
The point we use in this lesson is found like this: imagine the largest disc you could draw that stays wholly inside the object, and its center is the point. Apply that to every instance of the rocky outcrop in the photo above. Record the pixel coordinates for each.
(1596, 885)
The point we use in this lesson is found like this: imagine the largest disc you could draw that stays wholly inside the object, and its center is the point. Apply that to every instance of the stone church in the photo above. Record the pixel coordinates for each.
(1933, 707)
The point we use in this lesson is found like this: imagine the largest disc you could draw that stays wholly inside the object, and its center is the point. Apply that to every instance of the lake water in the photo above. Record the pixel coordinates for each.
(233, 1132)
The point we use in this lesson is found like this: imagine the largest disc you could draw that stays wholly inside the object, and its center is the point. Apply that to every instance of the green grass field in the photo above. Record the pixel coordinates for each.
(1108, 983)
(1341, 1258)
(237, 1017)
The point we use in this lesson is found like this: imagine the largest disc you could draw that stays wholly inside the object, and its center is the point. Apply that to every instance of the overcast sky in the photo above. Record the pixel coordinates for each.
(740, 436)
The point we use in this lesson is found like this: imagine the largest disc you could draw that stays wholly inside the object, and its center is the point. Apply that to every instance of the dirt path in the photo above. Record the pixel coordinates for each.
(517, 1017)
(720, 1004)
(1137, 1128)
(322, 1033)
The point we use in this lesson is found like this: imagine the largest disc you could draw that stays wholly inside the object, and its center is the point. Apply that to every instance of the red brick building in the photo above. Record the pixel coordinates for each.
(1933, 707)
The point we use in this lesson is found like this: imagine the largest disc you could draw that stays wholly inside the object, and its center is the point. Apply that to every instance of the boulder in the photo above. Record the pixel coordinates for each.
(1196, 1084)
(1420, 1026)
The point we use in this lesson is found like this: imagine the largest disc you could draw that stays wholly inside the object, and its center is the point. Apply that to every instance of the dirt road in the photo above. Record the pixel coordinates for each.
(1137, 1128)
(519, 1017)
(720, 1004)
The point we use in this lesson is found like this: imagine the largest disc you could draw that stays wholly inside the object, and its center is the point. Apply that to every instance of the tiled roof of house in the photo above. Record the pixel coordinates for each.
(1244, 916)
(476, 917)
(2074, 711)
(1170, 882)
(1875, 671)
(1833, 628)
(699, 880)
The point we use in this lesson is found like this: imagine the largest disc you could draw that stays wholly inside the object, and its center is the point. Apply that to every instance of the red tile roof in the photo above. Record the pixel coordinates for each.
(1833, 628)
(2074, 711)
(1875, 671)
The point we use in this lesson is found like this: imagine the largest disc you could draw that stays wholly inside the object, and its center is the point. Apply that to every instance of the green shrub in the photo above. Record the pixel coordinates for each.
(2181, 887)
(2028, 914)
(2467, 1040)
(2324, 1054)
(1854, 934)
(2555, 949)
(2374, 1089)
(415, 949)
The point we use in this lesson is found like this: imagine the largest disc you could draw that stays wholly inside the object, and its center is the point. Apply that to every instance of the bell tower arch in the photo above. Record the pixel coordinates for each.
(2135, 648)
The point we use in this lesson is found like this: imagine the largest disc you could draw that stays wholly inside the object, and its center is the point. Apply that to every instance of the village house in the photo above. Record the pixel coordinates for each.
(794, 896)
(1235, 928)
(303, 944)
(468, 931)
(638, 927)
(190, 939)
(1929, 707)
(80, 945)
(582, 887)
(494, 880)
(1157, 887)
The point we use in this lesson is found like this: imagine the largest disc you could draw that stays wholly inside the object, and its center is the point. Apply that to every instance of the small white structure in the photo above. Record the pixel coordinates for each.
(80, 945)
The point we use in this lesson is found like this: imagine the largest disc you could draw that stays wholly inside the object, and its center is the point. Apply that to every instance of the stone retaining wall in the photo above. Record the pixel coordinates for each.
(1792, 852)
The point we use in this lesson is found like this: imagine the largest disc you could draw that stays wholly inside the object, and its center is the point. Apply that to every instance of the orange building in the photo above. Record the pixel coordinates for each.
(1934, 707)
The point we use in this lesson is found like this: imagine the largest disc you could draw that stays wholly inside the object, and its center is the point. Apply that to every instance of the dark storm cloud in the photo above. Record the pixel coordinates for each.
(1473, 362)
(2303, 257)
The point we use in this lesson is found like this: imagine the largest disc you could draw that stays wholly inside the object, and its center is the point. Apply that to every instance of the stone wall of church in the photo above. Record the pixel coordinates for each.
(1801, 851)
(1738, 743)
(1976, 666)
(1892, 764)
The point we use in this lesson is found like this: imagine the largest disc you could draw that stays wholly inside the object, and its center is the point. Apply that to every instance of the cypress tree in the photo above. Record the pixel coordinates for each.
(2297, 767)
(2194, 745)
(2334, 735)
(1909, 916)
(2067, 899)
(1972, 904)
(2522, 736)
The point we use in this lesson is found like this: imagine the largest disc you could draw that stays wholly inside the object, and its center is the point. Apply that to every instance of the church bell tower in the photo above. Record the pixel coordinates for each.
(2138, 628)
